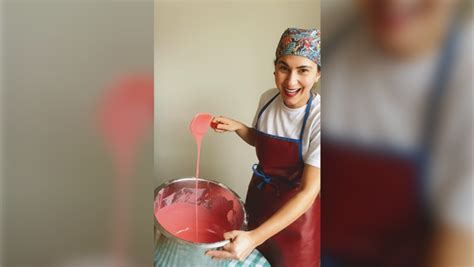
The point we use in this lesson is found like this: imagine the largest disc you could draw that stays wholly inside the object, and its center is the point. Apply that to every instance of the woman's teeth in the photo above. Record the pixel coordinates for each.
(292, 92)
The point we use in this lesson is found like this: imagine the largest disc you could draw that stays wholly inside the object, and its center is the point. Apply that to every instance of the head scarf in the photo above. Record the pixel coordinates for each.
(300, 42)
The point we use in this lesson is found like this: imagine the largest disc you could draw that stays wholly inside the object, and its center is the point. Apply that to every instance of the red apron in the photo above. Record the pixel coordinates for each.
(380, 220)
(375, 210)
(280, 158)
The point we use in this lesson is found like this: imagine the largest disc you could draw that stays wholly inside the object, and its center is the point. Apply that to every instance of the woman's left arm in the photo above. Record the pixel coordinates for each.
(244, 242)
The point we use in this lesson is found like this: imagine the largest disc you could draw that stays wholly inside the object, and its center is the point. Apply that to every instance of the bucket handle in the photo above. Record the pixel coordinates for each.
(222, 243)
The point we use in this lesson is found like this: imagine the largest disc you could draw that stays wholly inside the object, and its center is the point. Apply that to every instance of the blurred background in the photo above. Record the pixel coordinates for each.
(397, 143)
(215, 57)
(58, 187)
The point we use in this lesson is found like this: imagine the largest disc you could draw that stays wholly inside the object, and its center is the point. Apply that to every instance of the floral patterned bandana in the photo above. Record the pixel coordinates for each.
(300, 42)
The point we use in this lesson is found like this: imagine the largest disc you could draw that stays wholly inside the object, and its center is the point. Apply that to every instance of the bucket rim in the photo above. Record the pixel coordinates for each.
(196, 244)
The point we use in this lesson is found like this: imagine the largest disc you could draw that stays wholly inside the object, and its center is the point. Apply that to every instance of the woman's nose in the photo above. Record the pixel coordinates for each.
(291, 81)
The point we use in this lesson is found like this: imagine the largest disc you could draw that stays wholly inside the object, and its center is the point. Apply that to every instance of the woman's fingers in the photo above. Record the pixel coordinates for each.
(217, 123)
(225, 124)
(221, 128)
(224, 127)
(231, 235)
(220, 119)
(220, 254)
(229, 247)
(237, 249)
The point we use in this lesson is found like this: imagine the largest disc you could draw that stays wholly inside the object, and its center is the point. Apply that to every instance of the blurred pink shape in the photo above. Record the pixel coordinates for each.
(125, 115)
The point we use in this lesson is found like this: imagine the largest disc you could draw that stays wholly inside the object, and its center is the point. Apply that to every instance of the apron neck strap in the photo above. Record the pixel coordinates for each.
(263, 109)
(306, 115)
(442, 76)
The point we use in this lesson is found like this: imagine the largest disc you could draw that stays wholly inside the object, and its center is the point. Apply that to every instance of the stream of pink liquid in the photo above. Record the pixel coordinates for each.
(198, 143)
(199, 126)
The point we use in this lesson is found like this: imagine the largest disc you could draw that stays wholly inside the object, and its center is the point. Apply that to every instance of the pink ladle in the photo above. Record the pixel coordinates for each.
(199, 126)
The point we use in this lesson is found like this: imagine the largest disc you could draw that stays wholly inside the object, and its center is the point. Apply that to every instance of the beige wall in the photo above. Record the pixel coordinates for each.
(215, 57)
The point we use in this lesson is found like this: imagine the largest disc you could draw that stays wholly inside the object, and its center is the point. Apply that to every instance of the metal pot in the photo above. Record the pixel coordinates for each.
(173, 251)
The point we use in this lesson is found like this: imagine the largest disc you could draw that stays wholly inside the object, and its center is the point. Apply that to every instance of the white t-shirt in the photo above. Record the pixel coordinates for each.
(376, 100)
(282, 121)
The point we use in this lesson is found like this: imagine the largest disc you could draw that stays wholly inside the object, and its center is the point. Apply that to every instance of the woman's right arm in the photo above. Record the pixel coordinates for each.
(229, 125)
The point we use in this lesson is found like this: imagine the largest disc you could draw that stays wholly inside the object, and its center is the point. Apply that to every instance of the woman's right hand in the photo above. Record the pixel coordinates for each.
(224, 124)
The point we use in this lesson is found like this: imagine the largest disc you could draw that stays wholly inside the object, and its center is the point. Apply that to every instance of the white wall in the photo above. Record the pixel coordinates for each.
(215, 57)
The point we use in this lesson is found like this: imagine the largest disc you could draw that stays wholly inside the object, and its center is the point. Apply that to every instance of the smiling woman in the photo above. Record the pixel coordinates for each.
(283, 195)
(227, 64)
(295, 77)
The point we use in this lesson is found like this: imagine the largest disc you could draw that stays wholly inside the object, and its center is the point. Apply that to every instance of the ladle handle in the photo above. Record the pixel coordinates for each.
(214, 124)
(225, 242)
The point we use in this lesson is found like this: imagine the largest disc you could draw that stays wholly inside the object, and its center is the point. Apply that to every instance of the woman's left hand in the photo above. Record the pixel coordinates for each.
(242, 243)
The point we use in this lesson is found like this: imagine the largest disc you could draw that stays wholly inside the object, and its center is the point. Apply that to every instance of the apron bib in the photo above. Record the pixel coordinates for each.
(276, 180)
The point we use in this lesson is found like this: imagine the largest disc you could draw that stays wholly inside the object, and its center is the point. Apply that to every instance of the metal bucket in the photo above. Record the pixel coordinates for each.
(213, 196)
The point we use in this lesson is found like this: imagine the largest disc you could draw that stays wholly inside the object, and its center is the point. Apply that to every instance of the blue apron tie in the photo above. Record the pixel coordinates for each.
(268, 179)
(265, 179)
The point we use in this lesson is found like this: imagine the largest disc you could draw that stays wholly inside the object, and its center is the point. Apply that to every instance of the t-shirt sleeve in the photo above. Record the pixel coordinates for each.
(313, 155)
(453, 166)
(256, 114)
(454, 199)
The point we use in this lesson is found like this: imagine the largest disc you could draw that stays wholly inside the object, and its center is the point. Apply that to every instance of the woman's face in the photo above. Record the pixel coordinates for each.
(294, 78)
(407, 26)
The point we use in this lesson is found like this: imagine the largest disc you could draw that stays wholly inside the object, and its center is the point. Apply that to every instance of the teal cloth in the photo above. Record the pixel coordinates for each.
(255, 259)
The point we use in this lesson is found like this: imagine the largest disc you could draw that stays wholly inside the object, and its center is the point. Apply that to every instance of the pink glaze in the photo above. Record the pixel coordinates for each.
(178, 220)
(219, 210)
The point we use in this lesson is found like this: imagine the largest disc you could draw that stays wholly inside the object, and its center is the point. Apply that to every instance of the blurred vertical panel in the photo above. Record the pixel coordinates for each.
(58, 179)
(1, 136)
(397, 97)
